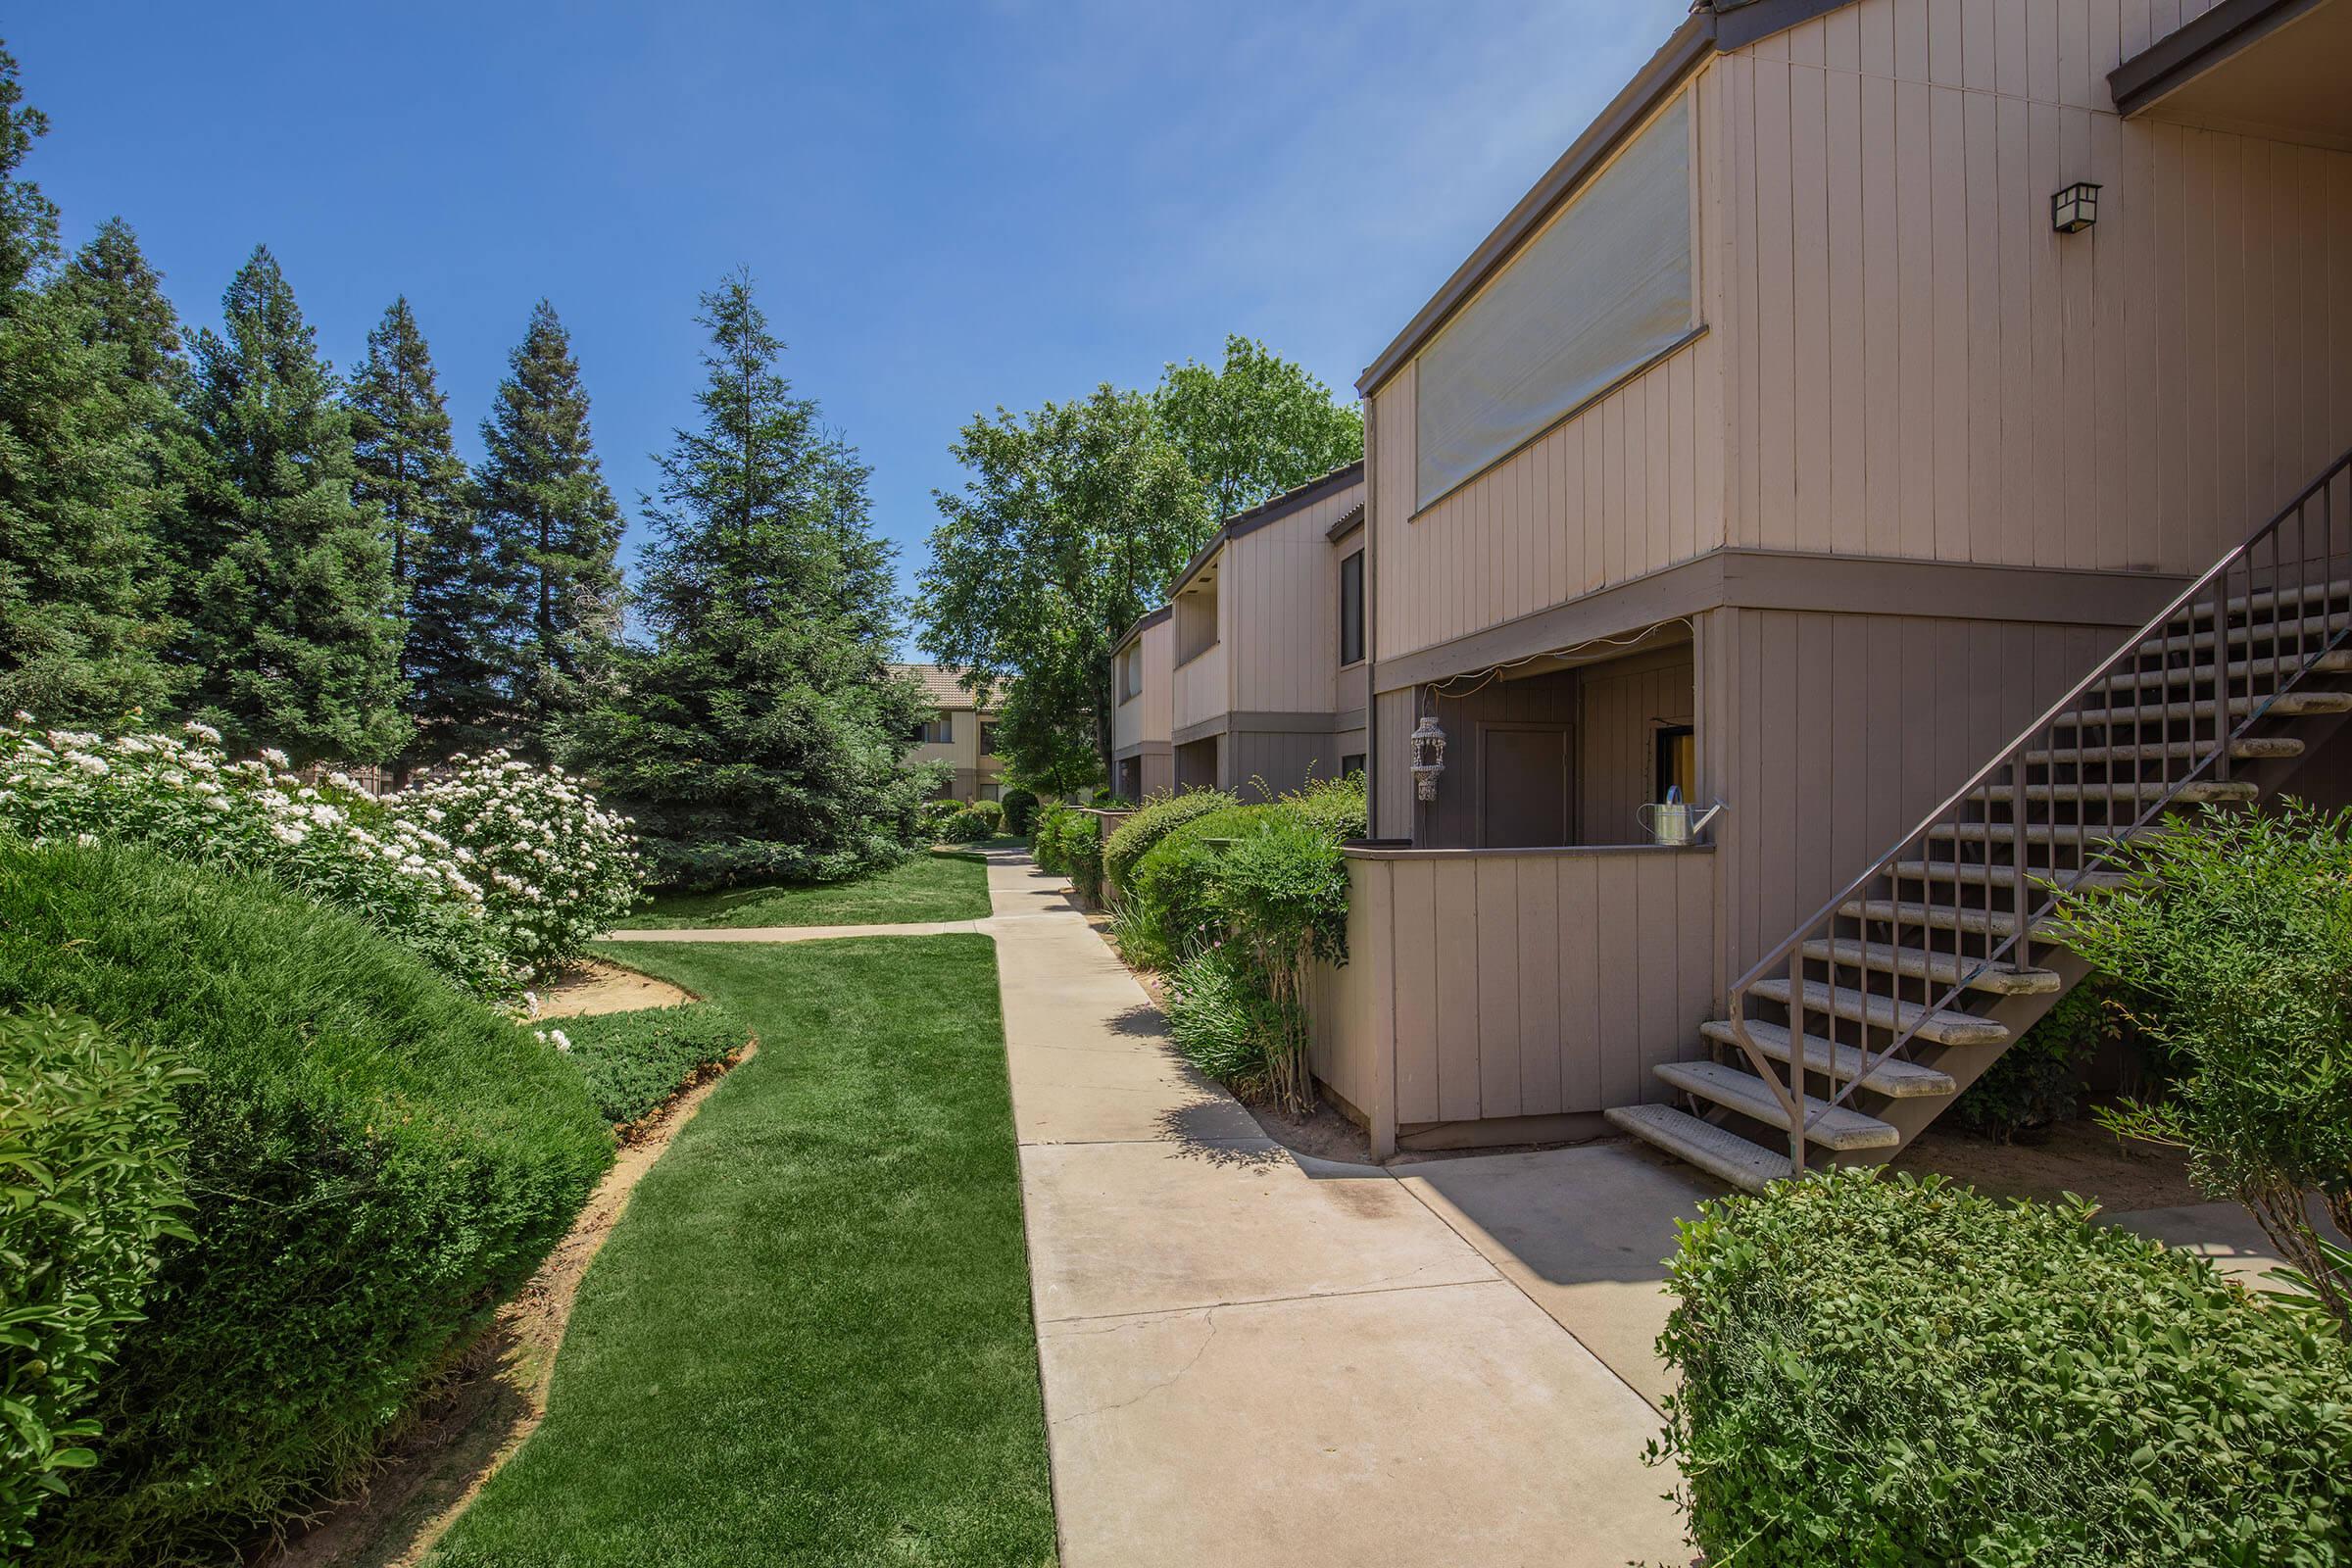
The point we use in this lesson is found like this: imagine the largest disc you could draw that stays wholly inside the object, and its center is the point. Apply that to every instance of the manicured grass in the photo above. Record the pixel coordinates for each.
(808, 1341)
(929, 887)
(634, 1061)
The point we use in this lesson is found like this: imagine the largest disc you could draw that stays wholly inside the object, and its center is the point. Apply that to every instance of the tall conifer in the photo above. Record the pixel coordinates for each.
(555, 528)
(81, 640)
(294, 615)
(762, 735)
(453, 661)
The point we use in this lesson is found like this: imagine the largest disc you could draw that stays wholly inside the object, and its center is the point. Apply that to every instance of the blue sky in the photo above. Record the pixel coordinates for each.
(946, 206)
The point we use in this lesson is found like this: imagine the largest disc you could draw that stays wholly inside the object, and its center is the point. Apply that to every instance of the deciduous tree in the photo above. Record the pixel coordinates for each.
(1254, 426)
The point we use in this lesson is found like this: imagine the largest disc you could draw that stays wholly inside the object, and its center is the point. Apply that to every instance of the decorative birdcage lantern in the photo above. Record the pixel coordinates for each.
(1429, 757)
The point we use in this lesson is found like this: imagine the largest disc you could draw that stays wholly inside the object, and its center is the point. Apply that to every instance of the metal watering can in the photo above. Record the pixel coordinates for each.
(1670, 822)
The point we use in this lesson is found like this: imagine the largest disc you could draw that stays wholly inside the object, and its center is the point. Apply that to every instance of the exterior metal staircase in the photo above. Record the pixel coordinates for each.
(1844, 1041)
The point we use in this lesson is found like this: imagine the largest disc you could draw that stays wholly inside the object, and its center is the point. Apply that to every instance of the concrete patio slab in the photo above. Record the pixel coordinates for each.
(1453, 1425)
(1250, 1222)
(2223, 1232)
(1585, 1232)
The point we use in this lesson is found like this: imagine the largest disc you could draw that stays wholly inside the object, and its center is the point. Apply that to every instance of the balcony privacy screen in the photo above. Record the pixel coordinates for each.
(1601, 291)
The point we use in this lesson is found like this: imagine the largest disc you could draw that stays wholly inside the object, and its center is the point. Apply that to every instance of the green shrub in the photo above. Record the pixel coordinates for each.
(1069, 843)
(375, 1162)
(1044, 842)
(1881, 1372)
(2238, 927)
(1174, 884)
(966, 826)
(1336, 808)
(91, 1185)
(1153, 820)
(1221, 1016)
(2038, 1080)
(1104, 800)
(1282, 889)
(634, 1063)
(1020, 811)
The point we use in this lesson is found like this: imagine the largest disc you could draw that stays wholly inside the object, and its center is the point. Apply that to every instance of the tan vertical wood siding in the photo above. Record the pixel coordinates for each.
(1622, 705)
(1630, 484)
(1201, 689)
(1518, 983)
(1145, 719)
(1280, 593)
(1921, 366)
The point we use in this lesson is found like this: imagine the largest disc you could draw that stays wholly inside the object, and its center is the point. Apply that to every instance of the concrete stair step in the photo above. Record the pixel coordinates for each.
(1735, 1089)
(1937, 917)
(1974, 873)
(1894, 1078)
(2280, 668)
(1717, 1150)
(1948, 1027)
(2290, 704)
(1939, 968)
(2250, 749)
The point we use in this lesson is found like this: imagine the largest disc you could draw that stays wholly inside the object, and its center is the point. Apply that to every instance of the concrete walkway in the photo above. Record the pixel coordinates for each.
(1252, 1356)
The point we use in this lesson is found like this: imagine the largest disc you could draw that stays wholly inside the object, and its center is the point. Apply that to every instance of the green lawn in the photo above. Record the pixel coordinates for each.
(929, 887)
(808, 1341)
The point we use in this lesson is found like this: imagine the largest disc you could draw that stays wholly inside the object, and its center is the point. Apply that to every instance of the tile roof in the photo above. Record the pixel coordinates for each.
(943, 684)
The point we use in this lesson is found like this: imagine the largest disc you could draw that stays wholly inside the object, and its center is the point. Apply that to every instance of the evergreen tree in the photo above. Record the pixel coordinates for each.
(293, 612)
(81, 640)
(555, 529)
(761, 734)
(453, 661)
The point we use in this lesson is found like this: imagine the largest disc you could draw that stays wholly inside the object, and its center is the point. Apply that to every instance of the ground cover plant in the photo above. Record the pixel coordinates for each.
(494, 870)
(2238, 927)
(636, 1062)
(808, 1339)
(374, 1161)
(1879, 1370)
(91, 1184)
(926, 888)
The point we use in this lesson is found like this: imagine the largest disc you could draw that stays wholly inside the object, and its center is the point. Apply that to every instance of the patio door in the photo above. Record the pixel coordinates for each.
(1524, 784)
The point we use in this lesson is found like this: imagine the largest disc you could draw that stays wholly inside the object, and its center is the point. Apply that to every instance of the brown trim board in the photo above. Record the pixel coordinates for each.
(2188, 50)
(1252, 723)
(1136, 749)
(1149, 618)
(1772, 579)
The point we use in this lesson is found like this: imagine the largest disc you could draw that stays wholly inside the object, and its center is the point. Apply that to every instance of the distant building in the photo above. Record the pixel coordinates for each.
(960, 731)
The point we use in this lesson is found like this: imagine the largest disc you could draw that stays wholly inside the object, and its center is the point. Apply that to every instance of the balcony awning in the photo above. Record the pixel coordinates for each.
(2272, 68)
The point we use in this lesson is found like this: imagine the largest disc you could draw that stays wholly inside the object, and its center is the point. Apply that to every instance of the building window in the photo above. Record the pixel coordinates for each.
(1677, 763)
(988, 738)
(1601, 291)
(940, 731)
(1351, 608)
(1131, 674)
(1352, 764)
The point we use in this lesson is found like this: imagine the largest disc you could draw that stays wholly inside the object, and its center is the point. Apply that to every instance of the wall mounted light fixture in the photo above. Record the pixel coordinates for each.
(1429, 757)
(2076, 208)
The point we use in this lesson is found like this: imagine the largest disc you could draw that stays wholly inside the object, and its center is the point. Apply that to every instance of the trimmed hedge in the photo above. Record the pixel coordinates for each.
(1069, 843)
(1153, 821)
(90, 1186)
(635, 1062)
(1020, 811)
(1881, 1370)
(375, 1163)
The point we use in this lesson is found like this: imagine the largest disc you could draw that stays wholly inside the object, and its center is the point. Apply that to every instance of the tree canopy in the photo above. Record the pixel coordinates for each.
(1075, 519)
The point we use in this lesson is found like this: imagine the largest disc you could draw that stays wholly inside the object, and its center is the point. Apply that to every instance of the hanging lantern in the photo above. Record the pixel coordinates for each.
(1429, 757)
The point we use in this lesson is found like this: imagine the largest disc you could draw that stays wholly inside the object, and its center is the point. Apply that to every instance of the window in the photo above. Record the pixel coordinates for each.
(988, 738)
(1353, 762)
(940, 731)
(1677, 763)
(1131, 673)
(1351, 608)
(1600, 292)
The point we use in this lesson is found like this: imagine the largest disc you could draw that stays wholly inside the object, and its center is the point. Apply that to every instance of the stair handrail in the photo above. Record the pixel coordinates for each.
(1787, 955)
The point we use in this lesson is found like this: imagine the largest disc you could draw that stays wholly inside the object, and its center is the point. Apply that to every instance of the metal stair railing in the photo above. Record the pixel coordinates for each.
(2263, 580)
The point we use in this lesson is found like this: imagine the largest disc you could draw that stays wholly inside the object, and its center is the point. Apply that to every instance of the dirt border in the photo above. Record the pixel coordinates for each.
(494, 1394)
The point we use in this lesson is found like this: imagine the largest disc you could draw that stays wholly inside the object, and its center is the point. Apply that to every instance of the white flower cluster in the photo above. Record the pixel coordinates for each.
(411, 865)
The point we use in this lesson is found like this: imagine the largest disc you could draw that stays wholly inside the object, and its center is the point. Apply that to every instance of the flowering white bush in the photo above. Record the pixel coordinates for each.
(410, 864)
(554, 868)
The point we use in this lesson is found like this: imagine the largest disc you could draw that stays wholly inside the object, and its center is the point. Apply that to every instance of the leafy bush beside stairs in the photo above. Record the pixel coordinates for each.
(90, 1186)
(374, 1163)
(1881, 1370)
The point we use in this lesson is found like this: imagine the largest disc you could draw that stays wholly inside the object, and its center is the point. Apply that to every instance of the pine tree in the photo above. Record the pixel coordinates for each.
(761, 736)
(294, 615)
(453, 661)
(81, 640)
(555, 529)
